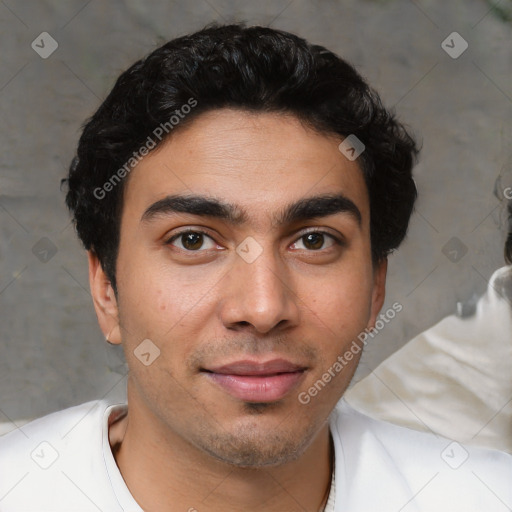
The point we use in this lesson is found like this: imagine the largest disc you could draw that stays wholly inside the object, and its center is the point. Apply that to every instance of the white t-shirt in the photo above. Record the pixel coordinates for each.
(63, 462)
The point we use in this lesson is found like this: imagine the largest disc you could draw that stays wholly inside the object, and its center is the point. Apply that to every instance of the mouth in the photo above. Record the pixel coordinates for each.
(253, 381)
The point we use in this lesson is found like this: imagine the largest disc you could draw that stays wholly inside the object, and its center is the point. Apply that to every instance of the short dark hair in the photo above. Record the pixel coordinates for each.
(252, 68)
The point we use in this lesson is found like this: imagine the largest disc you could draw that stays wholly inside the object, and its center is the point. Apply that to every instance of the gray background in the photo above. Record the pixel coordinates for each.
(52, 353)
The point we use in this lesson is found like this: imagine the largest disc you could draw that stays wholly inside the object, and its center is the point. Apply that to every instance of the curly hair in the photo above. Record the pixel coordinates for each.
(253, 68)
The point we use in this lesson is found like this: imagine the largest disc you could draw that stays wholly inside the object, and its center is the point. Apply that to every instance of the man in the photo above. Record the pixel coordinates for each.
(238, 193)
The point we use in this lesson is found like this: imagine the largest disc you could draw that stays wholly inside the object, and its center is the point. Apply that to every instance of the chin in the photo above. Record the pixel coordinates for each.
(252, 447)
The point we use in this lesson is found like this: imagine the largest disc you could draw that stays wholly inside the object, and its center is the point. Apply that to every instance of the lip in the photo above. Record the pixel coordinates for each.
(255, 381)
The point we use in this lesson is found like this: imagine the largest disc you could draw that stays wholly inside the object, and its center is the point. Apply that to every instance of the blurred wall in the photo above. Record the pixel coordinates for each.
(457, 100)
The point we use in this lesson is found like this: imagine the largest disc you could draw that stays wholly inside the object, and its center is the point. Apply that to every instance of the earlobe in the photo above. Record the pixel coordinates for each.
(104, 299)
(114, 335)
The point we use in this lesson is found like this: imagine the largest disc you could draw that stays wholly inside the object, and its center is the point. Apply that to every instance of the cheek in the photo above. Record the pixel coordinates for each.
(169, 306)
(159, 293)
(337, 313)
(340, 301)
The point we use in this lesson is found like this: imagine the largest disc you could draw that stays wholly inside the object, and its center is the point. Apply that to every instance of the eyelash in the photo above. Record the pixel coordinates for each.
(336, 240)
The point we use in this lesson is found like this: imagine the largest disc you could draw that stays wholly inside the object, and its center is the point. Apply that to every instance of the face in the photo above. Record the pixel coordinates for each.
(247, 300)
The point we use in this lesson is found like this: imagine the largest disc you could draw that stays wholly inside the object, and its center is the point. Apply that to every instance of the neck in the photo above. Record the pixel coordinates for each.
(165, 472)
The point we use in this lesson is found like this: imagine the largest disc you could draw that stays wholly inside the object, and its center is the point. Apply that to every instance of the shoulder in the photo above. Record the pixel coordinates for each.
(61, 428)
(49, 462)
(56, 422)
(400, 464)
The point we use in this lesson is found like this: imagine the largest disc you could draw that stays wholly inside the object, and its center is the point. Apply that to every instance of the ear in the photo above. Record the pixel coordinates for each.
(105, 302)
(379, 290)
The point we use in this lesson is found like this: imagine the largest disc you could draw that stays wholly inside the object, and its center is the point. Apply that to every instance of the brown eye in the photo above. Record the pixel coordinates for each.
(191, 240)
(315, 240)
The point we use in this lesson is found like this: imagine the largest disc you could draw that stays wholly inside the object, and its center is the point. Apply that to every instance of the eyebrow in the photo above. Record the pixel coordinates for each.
(307, 208)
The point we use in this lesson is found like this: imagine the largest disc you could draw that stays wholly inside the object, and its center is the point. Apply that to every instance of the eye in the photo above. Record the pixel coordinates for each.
(194, 241)
(191, 240)
(314, 240)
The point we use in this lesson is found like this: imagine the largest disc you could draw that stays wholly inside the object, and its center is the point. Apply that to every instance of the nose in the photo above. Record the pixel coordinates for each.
(259, 295)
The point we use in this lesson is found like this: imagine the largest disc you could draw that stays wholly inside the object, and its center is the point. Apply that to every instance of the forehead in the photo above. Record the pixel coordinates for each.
(259, 161)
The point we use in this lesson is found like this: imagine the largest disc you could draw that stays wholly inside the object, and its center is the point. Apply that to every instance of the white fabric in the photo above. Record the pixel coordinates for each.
(453, 379)
(331, 500)
(378, 466)
(7, 427)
